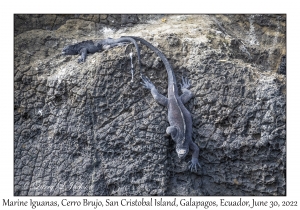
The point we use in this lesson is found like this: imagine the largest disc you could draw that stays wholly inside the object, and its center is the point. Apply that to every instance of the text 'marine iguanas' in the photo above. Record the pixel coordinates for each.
(85, 47)
(179, 117)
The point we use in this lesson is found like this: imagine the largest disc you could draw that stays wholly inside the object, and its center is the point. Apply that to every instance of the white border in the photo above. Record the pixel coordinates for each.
(153, 6)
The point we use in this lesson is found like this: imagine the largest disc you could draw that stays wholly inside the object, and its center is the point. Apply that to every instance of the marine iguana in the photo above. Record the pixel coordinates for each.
(179, 117)
(85, 47)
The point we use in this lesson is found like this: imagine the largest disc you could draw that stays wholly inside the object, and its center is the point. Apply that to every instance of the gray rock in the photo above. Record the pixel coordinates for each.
(86, 129)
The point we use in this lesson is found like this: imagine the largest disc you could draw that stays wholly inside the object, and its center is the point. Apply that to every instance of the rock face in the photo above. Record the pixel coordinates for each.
(86, 129)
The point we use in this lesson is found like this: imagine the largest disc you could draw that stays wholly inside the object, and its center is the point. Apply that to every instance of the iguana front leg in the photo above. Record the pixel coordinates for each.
(186, 93)
(194, 163)
(83, 53)
(171, 130)
(162, 100)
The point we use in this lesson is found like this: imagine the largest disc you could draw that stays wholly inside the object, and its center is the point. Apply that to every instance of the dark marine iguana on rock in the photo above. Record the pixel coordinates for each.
(85, 47)
(179, 117)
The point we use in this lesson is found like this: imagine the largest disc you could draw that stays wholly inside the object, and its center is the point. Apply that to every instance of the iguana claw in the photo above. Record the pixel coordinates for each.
(146, 82)
(194, 163)
(186, 83)
(80, 60)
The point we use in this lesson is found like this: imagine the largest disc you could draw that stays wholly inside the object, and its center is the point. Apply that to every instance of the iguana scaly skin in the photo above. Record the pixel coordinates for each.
(85, 47)
(179, 117)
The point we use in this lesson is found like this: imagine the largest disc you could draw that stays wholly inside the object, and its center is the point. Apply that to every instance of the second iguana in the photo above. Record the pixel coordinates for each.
(90, 46)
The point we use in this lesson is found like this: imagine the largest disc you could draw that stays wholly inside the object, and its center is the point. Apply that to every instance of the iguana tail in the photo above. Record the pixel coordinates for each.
(171, 76)
(125, 39)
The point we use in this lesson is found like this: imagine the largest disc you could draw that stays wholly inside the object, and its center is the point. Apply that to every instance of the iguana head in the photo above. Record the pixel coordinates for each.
(179, 138)
(181, 150)
(69, 50)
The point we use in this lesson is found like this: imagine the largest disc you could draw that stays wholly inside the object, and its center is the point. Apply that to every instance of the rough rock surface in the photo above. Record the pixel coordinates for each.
(86, 129)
